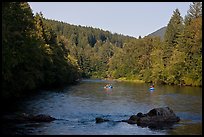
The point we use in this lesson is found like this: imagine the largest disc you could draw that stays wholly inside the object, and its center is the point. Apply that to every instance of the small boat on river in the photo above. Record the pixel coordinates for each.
(108, 86)
(151, 88)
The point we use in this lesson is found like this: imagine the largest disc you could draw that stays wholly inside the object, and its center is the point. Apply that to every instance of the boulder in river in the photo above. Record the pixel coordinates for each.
(156, 117)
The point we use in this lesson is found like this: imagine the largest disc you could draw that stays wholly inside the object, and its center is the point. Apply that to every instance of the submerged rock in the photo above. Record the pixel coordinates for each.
(28, 117)
(99, 120)
(41, 118)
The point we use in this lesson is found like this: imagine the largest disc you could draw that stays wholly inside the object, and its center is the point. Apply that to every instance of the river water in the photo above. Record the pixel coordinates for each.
(77, 106)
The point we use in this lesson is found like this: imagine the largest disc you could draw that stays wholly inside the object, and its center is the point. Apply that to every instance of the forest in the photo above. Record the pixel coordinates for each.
(39, 52)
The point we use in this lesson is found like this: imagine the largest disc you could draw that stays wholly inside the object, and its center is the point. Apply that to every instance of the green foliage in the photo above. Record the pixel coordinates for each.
(21, 56)
(31, 54)
(172, 35)
(101, 54)
(195, 10)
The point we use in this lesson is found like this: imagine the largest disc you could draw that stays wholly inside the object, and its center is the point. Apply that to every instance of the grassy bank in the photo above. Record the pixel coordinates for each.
(127, 80)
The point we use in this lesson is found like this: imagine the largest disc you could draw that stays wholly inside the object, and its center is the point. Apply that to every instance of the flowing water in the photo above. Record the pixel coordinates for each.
(77, 106)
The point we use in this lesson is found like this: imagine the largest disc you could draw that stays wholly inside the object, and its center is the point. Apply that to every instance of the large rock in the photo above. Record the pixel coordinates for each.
(157, 117)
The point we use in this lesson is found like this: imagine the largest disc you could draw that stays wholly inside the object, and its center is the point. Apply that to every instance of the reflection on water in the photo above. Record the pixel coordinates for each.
(77, 107)
(187, 129)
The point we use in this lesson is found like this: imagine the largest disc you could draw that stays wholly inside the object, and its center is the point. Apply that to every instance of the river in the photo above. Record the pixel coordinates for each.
(77, 106)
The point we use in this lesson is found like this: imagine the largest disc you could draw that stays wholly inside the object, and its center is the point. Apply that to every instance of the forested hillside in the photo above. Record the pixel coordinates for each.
(176, 59)
(37, 52)
(91, 47)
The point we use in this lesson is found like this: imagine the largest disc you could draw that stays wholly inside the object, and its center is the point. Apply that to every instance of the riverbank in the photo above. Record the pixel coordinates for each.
(134, 80)
(124, 79)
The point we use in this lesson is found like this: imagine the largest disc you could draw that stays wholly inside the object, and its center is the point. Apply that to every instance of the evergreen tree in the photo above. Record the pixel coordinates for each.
(21, 56)
(31, 54)
(192, 45)
(195, 10)
(173, 32)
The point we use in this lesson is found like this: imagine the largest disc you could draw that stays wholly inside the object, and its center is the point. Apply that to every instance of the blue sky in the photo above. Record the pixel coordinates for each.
(127, 18)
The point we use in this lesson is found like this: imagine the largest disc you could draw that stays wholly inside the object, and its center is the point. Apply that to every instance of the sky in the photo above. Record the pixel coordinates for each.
(127, 18)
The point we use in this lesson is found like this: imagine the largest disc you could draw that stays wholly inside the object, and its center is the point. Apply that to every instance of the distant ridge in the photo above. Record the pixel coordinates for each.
(160, 32)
